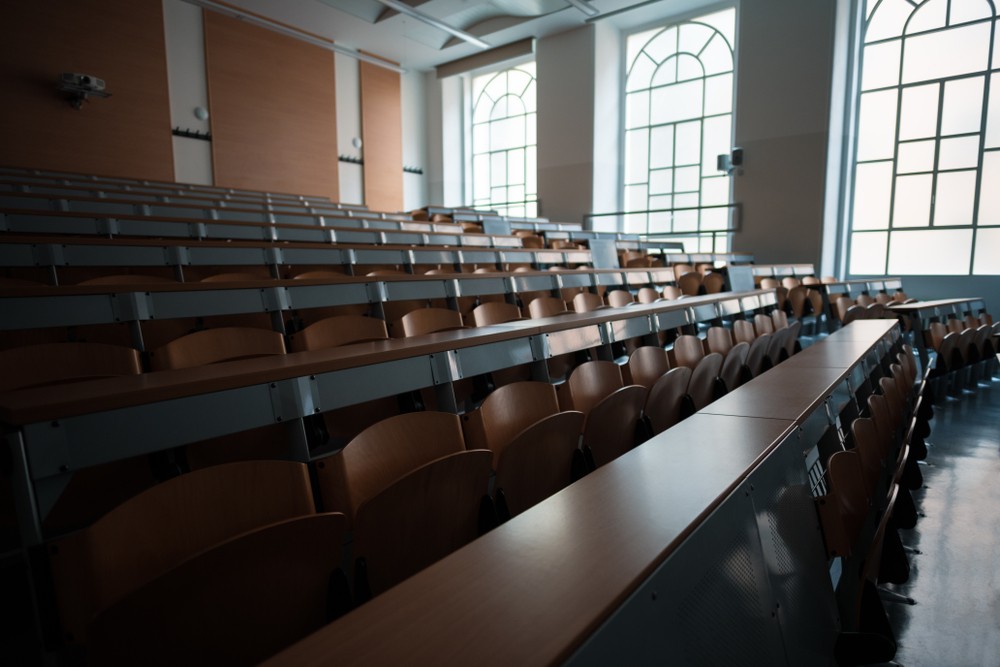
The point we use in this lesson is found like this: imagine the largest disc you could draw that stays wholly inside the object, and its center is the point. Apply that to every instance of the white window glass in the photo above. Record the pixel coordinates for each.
(962, 111)
(679, 101)
(637, 110)
(717, 56)
(661, 147)
(881, 65)
(931, 15)
(716, 142)
(913, 201)
(916, 156)
(930, 252)
(889, 20)
(661, 181)
(955, 198)
(918, 117)
(877, 128)
(688, 68)
(503, 141)
(951, 52)
(687, 179)
(969, 10)
(718, 94)
(872, 194)
(683, 75)
(987, 261)
(993, 117)
(687, 146)
(637, 164)
(959, 153)
(996, 38)
(989, 194)
(868, 250)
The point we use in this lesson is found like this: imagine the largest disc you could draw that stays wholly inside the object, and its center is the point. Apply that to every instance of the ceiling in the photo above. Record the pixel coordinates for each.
(371, 26)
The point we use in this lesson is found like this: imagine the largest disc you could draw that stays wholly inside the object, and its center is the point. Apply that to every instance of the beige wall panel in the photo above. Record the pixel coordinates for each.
(273, 109)
(120, 41)
(382, 137)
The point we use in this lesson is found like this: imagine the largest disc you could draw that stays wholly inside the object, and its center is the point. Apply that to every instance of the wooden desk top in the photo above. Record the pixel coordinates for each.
(917, 306)
(531, 591)
(47, 403)
(780, 393)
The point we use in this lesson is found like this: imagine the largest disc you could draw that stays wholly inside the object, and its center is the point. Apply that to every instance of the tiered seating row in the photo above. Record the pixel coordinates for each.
(206, 402)
(48, 177)
(712, 525)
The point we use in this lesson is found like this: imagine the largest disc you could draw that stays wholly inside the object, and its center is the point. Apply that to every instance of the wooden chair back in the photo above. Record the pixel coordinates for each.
(690, 283)
(743, 331)
(719, 339)
(537, 462)
(734, 365)
(585, 302)
(714, 282)
(779, 319)
(215, 345)
(757, 359)
(546, 306)
(688, 350)
(845, 506)
(671, 293)
(816, 302)
(936, 332)
(681, 269)
(383, 453)
(868, 445)
(864, 300)
(52, 363)
(591, 382)
(338, 330)
(508, 411)
(494, 312)
(419, 518)
(798, 297)
(763, 323)
(843, 303)
(702, 388)
(430, 320)
(239, 602)
(647, 364)
(609, 427)
(810, 280)
(157, 529)
(883, 298)
(664, 404)
(620, 298)
(647, 295)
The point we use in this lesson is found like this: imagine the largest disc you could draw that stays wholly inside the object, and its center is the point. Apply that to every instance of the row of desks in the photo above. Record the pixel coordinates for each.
(78, 305)
(48, 177)
(56, 431)
(700, 545)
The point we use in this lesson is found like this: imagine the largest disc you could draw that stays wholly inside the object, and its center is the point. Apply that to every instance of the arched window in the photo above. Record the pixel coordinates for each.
(504, 172)
(926, 187)
(678, 119)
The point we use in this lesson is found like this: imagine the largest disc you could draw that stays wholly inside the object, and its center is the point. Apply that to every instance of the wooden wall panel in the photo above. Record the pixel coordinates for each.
(382, 137)
(273, 110)
(120, 41)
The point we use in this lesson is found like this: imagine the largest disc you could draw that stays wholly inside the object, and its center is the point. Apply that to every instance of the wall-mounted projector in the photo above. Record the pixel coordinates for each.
(83, 81)
(79, 87)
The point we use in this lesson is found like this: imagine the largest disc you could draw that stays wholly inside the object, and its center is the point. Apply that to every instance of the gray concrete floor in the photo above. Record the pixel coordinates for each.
(956, 578)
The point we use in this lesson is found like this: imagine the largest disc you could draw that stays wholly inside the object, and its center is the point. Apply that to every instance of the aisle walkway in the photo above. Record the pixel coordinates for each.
(956, 580)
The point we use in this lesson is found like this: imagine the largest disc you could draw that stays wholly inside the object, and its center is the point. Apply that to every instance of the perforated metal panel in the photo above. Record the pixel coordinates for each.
(750, 586)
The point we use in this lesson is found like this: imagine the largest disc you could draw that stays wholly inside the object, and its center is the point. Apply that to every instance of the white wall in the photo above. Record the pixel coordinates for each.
(348, 90)
(185, 42)
(566, 79)
(608, 74)
(784, 77)
(415, 190)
